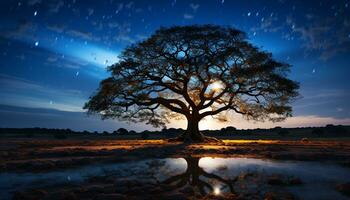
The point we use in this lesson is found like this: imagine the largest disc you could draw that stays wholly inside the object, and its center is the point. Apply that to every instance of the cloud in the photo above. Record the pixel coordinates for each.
(323, 103)
(17, 83)
(129, 5)
(82, 35)
(52, 59)
(55, 6)
(10, 116)
(66, 62)
(56, 28)
(23, 28)
(194, 7)
(188, 16)
(21, 92)
(304, 121)
(123, 38)
(122, 32)
(22, 117)
(33, 2)
(90, 11)
(326, 35)
(52, 6)
(268, 24)
(113, 25)
(324, 93)
(73, 32)
(240, 123)
(120, 8)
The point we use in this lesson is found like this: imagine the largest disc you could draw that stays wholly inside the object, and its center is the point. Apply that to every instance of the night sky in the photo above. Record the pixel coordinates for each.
(54, 54)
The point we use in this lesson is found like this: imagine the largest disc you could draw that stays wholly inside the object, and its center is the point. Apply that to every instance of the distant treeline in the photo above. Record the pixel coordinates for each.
(326, 131)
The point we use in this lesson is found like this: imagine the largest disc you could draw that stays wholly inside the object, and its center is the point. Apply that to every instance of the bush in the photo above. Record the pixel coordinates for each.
(122, 131)
(60, 136)
(336, 130)
(283, 132)
(229, 129)
(318, 132)
(144, 135)
(329, 126)
(29, 134)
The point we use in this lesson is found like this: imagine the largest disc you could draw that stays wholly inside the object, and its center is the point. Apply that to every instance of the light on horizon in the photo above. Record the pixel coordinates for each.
(216, 86)
(217, 191)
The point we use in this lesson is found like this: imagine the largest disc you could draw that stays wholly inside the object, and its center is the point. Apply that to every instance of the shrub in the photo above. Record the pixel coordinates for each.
(29, 134)
(60, 136)
(229, 129)
(336, 130)
(122, 131)
(318, 132)
(283, 132)
(144, 135)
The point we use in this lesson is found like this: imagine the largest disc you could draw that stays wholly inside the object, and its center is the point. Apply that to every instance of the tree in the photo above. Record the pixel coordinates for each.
(122, 131)
(192, 176)
(193, 72)
(229, 130)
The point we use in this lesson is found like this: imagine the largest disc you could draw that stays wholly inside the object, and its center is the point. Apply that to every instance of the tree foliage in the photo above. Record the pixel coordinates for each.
(194, 72)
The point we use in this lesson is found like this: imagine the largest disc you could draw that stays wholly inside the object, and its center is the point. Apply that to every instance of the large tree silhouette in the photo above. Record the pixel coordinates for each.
(192, 176)
(194, 72)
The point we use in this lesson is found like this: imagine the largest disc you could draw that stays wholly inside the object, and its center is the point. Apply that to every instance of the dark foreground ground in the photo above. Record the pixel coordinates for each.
(37, 155)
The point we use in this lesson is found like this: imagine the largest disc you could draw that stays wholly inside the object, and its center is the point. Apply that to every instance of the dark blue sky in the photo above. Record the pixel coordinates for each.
(54, 53)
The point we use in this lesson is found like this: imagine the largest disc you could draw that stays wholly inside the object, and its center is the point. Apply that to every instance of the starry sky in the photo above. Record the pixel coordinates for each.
(54, 53)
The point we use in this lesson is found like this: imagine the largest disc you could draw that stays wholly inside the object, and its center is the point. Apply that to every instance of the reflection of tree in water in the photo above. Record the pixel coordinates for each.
(192, 176)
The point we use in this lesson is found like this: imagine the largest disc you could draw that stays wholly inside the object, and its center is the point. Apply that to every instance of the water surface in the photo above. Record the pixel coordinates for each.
(207, 174)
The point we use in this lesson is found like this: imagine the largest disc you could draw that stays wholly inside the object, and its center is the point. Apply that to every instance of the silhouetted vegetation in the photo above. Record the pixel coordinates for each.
(318, 132)
(336, 130)
(283, 132)
(122, 131)
(60, 135)
(330, 131)
(194, 72)
(144, 135)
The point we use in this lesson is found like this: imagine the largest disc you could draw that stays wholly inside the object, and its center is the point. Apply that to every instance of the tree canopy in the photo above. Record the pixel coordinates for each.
(194, 72)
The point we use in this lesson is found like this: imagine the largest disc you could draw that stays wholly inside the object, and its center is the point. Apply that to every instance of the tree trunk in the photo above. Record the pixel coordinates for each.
(193, 170)
(192, 131)
(193, 134)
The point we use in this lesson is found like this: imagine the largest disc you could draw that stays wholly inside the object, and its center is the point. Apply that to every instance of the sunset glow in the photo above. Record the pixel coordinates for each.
(216, 86)
(217, 191)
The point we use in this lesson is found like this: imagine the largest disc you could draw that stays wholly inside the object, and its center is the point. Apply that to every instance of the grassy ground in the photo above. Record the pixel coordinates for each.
(44, 153)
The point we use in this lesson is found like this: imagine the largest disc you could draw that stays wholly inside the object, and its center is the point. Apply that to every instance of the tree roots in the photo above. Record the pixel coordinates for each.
(187, 139)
